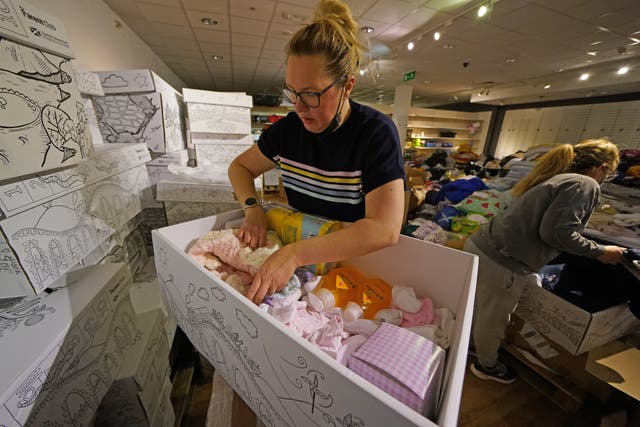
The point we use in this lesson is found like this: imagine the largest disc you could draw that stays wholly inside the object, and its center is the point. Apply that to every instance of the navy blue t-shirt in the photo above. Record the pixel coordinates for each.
(329, 175)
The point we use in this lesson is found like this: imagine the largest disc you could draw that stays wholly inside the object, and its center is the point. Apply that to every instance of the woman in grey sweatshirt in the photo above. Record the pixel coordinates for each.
(551, 207)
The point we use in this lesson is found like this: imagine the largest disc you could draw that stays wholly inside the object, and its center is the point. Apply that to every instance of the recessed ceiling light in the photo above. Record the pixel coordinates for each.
(547, 86)
(209, 21)
(584, 76)
(217, 57)
(482, 10)
(510, 60)
(367, 29)
(623, 70)
(362, 71)
(410, 45)
(592, 53)
(595, 43)
(559, 70)
(437, 35)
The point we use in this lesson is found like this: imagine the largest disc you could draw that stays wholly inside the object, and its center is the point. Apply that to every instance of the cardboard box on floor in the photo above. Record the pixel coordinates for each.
(558, 363)
(574, 329)
(283, 378)
(416, 178)
(62, 350)
(617, 364)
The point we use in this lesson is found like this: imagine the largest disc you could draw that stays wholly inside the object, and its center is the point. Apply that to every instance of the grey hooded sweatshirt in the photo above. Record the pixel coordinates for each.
(542, 223)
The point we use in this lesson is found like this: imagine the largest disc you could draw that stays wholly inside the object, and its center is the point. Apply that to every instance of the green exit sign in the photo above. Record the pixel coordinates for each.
(409, 76)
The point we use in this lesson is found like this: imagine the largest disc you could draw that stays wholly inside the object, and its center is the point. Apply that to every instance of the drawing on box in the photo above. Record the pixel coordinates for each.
(9, 265)
(114, 80)
(142, 80)
(34, 105)
(28, 312)
(125, 118)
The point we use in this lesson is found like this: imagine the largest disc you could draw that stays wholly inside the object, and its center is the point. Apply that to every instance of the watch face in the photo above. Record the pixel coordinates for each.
(250, 201)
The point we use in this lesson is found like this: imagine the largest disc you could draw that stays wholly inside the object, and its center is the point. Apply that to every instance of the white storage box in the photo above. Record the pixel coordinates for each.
(62, 350)
(178, 212)
(224, 119)
(110, 159)
(235, 99)
(53, 237)
(23, 22)
(285, 379)
(43, 124)
(150, 92)
(573, 328)
(219, 155)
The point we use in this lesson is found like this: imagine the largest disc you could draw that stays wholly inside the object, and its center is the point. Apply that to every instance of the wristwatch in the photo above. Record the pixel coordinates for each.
(250, 202)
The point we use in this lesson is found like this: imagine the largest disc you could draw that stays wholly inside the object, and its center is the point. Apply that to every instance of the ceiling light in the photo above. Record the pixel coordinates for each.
(510, 60)
(547, 86)
(217, 57)
(362, 71)
(623, 70)
(437, 35)
(584, 76)
(410, 45)
(448, 46)
(482, 10)
(367, 29)
(209, 21)
(427, 82)
(592, 53)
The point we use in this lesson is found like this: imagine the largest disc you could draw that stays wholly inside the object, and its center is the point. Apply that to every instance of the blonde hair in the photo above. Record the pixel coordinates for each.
(334, 34)
(569, 158)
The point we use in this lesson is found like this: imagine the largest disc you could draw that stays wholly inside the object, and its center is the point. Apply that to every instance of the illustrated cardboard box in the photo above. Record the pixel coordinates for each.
(165, 415)
(141, 106)
(110, 159)
(219, 155)
(158, 169)
(88, 83)
(283, 378)
(53, 237)
(223, 119)
(235, 99)
(573, 328)
(23, 22)
(135, 387)
(63, 349)
(178, 212)
(43, 124)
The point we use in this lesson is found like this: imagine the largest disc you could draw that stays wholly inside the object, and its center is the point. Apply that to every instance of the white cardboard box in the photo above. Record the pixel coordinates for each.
(574, 329)
(62, 350)
(23, 22)
(110, 159)
(285, 379)
(220, 138)
(140, 118)
(236, 99)
(220, 155)
(92, 122)
(53, 237)
(43, 124)
(224, 119)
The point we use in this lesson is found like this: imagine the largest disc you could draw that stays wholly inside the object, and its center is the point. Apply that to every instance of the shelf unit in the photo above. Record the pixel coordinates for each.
(270, 180)
(427, 123)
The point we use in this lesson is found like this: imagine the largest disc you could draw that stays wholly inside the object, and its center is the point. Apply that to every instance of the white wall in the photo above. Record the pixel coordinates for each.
(99, 45)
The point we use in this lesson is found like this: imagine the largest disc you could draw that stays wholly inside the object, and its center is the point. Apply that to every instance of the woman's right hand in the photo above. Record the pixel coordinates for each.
(253, 230)
(612, 255)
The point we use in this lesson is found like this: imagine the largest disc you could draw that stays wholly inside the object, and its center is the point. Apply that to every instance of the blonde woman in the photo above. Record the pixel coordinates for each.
(339, 159)
(551, 207)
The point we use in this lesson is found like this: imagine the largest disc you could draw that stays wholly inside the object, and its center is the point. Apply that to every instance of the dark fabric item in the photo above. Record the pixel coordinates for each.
(595, 286)
(437, 157)
(460, 189)
(632, 254)
(330, 175)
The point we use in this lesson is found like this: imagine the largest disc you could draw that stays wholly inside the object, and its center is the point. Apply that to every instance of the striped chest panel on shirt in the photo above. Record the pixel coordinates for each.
(332, 186)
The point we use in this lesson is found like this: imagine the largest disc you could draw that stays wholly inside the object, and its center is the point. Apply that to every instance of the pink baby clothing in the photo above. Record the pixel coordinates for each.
(424, 316)
(329, 337)
(364, 327)
(348, 347)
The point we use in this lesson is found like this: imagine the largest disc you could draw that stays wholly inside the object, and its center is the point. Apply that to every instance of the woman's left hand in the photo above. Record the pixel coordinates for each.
(274, 274)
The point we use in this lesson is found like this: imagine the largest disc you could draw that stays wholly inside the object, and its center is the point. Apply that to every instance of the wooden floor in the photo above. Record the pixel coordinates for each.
(484, 404)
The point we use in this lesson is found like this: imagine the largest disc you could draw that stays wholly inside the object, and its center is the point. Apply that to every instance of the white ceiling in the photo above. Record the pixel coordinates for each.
(511, 53)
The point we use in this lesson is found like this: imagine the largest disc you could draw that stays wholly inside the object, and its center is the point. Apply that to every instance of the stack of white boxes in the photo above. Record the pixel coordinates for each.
(89, 85)
(219, 128)
(62, 350)
(140, 107)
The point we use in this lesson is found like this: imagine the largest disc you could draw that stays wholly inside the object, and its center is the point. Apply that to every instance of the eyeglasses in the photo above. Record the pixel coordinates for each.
(310, 99)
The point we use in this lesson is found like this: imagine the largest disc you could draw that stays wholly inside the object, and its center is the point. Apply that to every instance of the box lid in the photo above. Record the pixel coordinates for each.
(237, 99)
(402, 354)
(27, 24)
(88, 83)
(126, 81)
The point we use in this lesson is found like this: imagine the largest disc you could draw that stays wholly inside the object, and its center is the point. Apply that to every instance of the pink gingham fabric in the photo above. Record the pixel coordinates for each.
(403, 364)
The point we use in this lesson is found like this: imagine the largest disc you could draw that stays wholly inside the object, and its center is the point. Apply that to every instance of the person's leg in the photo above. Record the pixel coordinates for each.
(497, 293)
